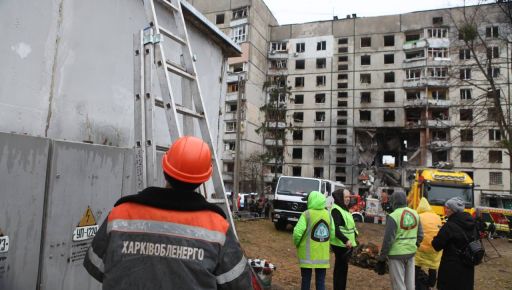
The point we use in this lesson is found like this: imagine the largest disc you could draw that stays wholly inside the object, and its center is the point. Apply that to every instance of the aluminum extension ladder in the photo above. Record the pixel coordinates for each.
(149, 56)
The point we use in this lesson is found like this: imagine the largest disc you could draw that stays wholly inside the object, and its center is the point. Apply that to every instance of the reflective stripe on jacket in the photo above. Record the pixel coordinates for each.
(427, 256)
(349, 230)
(144, 247)
(407, 221)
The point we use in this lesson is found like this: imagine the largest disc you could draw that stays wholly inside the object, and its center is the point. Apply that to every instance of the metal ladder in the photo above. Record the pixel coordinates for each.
(149, 56)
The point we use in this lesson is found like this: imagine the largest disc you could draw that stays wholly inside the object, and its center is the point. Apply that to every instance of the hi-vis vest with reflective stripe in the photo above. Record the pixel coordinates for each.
(407, 221)
(315, 254)
(349, 230)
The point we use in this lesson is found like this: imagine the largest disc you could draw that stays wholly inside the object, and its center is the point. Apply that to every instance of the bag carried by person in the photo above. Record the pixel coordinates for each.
(473, 253)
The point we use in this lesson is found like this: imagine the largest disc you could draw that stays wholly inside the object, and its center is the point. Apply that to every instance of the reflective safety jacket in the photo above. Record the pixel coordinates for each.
(427, 256)
(312, 233)
(348, 229)
(163, 239)
(407, 221)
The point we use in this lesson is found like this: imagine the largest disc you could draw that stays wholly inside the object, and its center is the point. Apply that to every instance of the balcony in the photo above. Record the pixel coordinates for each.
(439, 145)
(279, 125)
(438, 42)
(274, 54)
(233, 97)
(227, 155)
(438, 123)
(415, 44)
(273, 142)
(227, 176)
(419, 103)
(425, 82)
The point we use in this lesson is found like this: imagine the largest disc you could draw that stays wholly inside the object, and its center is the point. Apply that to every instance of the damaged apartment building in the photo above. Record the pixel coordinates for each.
(372, 98)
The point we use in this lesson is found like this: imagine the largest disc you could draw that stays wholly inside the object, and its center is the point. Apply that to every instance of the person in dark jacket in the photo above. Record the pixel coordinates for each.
(453, 273)
(170, 238)
(344, 238)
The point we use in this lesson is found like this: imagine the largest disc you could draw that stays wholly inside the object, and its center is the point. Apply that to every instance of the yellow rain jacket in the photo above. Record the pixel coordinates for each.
(426, 256)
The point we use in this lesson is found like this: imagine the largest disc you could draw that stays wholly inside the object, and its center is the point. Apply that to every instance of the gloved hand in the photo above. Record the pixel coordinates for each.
(380, 267)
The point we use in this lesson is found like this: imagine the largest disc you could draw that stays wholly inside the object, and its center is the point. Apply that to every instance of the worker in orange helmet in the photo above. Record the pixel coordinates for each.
(170, 238)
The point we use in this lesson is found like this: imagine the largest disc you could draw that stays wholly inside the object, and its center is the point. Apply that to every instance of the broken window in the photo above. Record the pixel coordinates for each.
(389, 115)
(413, 95)
(495, 156)
(300, 64)
(229, 145)
(389, 77)
(491, 32)
(230, 127)
(297, 153)
(493, 52)
(342, 76)
(343, 41)
(389, 40)
(439, 135)
(366, 97)
(278, 46)
(365, 116)
(320, 81)
(318, 153)
(230, 107)
(465, 94)
(297, 135)
(365, 60)
(321, 45)
(439, 156)
(342, 85)
(342, 58)
(342, 95)
(229, 167)
(437, 32)
(466, 114)
(466, 156)
(321, 63)
(437, 20)
(240, 13)
(415, 54)
(495, 178)
(413, 74)
(412, 115)
(278, 63)
(319, 135)
(441, 114)
(320, 116)
(298, 117)
(318, 172)
(412, 37)
(366, 41)
(389, 97)
(366, 78)
(342, 49)
(466, 135)
(239, 33)
(389, 58)
(464, 53)
(296, 171)
(465, 74)
(439, 95)
(299, 99)
(320, 98)
(299, 82)
(219, 19)
(232, 87)
(342, 103)
(438, 52)
(300, 47)
(494, 135)
(438, 72)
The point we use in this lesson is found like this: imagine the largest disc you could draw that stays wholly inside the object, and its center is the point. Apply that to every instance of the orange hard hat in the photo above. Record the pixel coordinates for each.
(188, 160)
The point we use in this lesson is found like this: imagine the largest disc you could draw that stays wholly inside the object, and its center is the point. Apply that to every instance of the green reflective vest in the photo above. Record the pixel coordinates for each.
(407, 222)
(349, 230)
(313, 250)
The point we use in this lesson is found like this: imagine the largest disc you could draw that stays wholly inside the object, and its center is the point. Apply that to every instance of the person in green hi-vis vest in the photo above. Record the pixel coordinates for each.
(344, 238)
(402, 236)
(311, 237)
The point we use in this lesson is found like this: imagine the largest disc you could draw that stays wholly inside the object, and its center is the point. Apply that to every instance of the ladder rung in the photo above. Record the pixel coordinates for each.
(217, 201)
(180, 109)
(177, 69)
(169, 5)
(172, 36)
(188, 112)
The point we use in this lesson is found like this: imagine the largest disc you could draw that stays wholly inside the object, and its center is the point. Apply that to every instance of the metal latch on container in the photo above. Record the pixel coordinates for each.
(152, 38)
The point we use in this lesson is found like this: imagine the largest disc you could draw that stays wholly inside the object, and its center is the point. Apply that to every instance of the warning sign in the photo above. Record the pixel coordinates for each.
(4, 244)
(86, 228)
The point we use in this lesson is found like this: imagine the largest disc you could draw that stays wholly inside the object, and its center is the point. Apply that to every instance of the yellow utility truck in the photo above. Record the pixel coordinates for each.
(438, 185)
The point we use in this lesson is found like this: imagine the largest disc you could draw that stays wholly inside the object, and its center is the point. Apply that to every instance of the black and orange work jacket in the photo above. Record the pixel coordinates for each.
(163, 239)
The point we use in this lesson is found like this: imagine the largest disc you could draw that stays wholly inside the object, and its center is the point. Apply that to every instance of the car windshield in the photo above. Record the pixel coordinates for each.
(438, 195)
(297, 186)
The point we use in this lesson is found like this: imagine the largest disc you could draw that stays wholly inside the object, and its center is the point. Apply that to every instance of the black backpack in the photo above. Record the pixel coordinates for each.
(473, 253)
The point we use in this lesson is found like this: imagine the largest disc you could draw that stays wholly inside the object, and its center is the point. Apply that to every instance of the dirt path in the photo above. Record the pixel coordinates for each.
(261, 240)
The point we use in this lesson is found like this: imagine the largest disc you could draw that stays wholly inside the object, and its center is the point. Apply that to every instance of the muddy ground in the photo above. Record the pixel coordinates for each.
(260, 239)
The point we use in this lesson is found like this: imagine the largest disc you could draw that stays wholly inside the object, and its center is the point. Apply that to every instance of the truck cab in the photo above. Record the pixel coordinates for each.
(438, 186)
(290, 190)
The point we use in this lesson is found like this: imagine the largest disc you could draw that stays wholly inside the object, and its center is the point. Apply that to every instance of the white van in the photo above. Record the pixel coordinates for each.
(290, 190)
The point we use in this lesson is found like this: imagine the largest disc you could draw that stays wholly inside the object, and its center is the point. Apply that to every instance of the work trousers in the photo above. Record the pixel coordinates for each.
(306, 274)
(401, 273)
(339, 274)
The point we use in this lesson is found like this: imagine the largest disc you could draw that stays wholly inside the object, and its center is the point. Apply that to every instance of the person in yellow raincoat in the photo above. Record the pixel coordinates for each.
(427, 259)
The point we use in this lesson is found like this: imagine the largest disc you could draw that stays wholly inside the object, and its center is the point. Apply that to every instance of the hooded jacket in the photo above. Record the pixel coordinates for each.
(450, 239)
(426, 256)
(312, 233)
(164, 239)
(398, 200)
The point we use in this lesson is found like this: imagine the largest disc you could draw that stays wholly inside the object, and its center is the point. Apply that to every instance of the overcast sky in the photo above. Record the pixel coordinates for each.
(298, 11)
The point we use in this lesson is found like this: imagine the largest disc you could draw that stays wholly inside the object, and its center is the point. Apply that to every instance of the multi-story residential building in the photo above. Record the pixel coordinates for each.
(248, 23)
(373, 99)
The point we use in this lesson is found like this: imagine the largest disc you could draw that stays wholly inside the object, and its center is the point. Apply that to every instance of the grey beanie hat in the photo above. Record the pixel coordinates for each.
(456, 204)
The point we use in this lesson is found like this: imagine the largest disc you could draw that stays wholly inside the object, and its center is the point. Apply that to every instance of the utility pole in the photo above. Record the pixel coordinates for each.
(236, 173)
